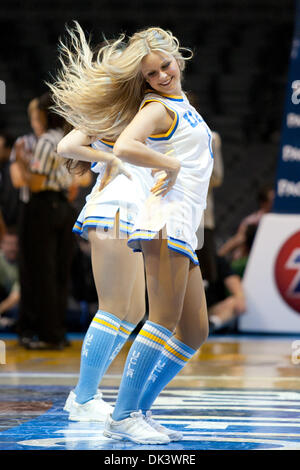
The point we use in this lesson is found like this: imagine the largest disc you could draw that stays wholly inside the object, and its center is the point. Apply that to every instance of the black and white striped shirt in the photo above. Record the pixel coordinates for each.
(46, 162)
(29, 141)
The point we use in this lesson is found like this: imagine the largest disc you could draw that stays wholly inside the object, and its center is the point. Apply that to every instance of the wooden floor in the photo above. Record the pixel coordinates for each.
(238, 392)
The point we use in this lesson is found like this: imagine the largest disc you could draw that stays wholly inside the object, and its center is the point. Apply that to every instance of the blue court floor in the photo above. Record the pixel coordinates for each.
(33, 419)
(237, 393)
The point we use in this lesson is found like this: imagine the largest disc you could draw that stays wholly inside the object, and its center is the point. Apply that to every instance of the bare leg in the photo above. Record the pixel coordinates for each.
(192, 328)
(166, 275)
(191, 332)
(115, 270)
(137, 305)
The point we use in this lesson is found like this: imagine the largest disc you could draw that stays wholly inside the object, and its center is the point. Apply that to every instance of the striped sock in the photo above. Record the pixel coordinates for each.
(96, 349)
(124, 332)
(172, 359)
(141, 359)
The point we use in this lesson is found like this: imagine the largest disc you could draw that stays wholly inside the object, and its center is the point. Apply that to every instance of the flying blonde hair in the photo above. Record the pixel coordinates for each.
(100, 93)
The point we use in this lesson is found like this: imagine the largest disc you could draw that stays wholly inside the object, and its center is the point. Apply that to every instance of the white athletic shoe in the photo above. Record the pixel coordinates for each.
(94, 410)
(69, 401)
(72, 397)
(172, 435)
(134, 429)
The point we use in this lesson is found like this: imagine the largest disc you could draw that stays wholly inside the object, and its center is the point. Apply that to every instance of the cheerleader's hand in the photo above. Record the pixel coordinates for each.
(165, 180)
(113, 169)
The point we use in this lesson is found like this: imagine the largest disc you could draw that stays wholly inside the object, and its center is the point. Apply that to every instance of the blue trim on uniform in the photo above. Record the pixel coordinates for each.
(169, 136)
(107, 144)
(209, 139)
(172, 99)
(158, 97)
(184, 248)
(93, 164)
(174, 129)
(98, 221)
(77, 227)
(169, 97)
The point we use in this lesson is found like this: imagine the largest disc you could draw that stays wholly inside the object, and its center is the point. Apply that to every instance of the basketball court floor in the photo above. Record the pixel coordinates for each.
(239, 393)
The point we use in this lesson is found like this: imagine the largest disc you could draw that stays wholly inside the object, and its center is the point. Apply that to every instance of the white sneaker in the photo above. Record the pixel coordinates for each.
(172, 435)
(94, 410)
(134, 429)
(72, 397)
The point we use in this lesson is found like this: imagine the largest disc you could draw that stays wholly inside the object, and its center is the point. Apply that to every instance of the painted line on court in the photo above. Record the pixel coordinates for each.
(184, 378)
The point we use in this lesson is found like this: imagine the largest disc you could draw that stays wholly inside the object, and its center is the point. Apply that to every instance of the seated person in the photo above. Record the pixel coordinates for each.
(9, 279)
(232, 247)
(225, 297)
(239, 265)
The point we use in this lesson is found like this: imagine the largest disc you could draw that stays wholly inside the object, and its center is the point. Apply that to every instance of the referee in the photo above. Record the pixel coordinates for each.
(46, 239)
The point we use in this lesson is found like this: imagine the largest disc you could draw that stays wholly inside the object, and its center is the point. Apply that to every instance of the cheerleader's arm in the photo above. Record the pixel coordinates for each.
(76, 145)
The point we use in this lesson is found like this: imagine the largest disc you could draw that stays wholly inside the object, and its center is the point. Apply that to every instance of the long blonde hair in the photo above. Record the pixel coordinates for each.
(100, 93)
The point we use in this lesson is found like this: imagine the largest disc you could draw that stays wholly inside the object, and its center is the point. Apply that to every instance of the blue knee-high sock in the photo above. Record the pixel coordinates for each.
(141, 359)
(97, 347)
(172, 359)
(124, 332)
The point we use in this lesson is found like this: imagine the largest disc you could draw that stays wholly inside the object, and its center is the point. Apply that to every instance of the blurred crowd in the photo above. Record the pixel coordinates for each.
(46, 282)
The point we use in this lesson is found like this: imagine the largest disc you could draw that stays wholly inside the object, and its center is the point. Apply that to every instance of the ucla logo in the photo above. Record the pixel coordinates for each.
(132, 363)
(87, 343)
(287, 271)
(192, 118)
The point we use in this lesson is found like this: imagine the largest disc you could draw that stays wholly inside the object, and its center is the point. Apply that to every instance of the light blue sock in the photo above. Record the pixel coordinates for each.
(97, 347)
(141, 359)
(124, 332)
(172, 359)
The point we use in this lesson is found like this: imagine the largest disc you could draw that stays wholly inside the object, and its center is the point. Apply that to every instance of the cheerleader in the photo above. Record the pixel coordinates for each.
(118, 273)
(139, 96)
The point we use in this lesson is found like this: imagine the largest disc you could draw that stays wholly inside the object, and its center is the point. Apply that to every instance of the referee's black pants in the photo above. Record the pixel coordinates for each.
(46, 248)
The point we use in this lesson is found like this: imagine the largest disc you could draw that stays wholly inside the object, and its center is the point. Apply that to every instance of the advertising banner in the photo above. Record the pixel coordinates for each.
(287, 198)
(272, 277)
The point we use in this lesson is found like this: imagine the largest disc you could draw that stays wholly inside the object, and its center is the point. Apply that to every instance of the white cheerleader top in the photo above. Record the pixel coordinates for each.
(189, 139)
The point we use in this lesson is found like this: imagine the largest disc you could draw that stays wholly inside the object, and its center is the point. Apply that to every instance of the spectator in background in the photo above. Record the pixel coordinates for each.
(225, 297)
(46, 238)
(9, 195)
(239, 265)
(234, 246)
(9, 278)
(22, 152)
(206, 255)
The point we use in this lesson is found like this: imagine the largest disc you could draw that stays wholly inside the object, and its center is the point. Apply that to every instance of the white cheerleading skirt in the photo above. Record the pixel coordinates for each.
(121, 195)
(178, 216)
(143, 216)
